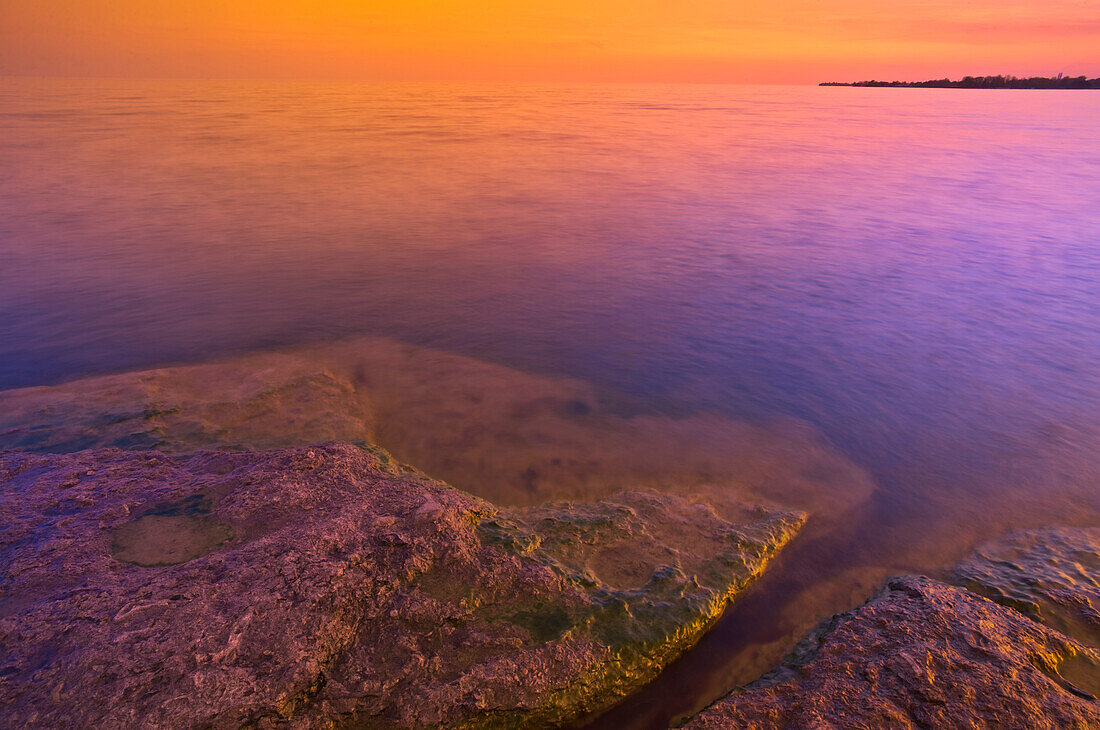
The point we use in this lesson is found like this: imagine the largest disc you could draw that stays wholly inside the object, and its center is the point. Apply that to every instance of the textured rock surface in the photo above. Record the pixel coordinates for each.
(921, 654)
(1052, 575)
(329, 586)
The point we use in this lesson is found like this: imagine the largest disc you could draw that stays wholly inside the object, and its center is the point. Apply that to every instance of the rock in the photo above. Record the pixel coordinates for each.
(921, 654)
(1052, 575)
(510, 436)
(326, 586)
(260, 401)
(167, 539)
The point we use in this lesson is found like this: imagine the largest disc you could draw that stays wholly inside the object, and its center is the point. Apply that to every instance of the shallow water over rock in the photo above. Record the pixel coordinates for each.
(520, 439)
(168, 534)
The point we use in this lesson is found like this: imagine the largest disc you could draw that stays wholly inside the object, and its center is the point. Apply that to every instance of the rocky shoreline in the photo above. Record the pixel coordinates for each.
(181, 553)
(922, 653)
(328, 585)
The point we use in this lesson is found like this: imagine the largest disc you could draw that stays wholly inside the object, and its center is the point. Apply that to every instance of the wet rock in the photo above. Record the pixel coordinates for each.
(260, 401)
(1052, 575)
(922, 654)
(507, 435)
(169, 534)
(325, 586)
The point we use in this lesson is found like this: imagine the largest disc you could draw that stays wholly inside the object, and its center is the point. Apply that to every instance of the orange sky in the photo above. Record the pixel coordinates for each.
(776, 41)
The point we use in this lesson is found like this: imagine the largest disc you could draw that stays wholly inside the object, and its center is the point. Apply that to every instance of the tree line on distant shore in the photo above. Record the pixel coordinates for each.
(987, 82)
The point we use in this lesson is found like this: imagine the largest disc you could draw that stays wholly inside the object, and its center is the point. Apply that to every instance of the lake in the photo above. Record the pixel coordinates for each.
(914, 274)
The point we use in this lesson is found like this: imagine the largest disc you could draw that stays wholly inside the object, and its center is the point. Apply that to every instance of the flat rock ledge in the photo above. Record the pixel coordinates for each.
(923, 654)
(328, 586)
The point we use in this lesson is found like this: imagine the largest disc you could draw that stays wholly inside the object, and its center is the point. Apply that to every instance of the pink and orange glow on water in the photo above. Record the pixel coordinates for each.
(786, 41)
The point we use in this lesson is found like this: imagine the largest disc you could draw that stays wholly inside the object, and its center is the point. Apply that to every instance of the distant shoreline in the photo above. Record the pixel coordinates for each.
(984, 82)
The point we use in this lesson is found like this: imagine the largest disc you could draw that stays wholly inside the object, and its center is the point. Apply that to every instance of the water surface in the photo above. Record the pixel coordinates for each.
(913, 272)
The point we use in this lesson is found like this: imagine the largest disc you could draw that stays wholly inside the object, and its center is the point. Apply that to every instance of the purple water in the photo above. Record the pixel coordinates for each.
(915, 272)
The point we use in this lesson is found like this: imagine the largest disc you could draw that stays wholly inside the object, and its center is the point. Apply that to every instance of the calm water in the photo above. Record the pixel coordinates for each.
(914, 272)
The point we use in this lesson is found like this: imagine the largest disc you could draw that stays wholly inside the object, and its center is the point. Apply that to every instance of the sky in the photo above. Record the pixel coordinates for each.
(734, 41)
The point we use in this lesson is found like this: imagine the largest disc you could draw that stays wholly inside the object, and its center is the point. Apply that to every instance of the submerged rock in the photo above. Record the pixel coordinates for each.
(922, 654)
(328, 586)
(260, 401)
(1052, 575)
(510, 436)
